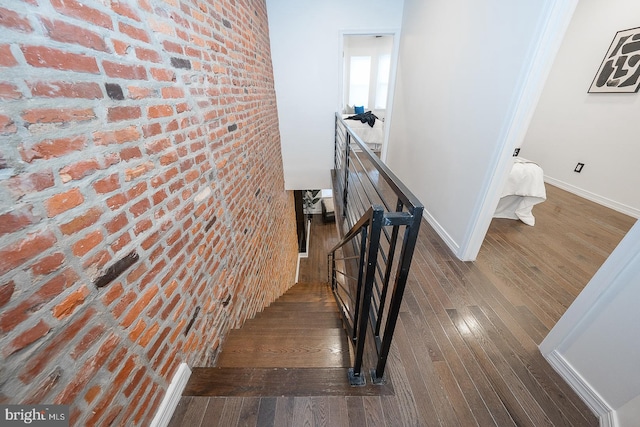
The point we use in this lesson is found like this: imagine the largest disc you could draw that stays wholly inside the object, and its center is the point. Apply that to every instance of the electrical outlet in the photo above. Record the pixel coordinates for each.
(516, 152)
(579, 167)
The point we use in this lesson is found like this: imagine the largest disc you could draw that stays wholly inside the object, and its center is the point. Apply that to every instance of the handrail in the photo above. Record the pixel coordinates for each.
(374, 269)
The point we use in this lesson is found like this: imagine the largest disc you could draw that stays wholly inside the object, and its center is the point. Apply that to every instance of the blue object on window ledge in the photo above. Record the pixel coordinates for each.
(359, 110)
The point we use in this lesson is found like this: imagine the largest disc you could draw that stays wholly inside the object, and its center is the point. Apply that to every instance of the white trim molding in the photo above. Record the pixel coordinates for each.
(596, 403)
(171, 399)
(439, 229)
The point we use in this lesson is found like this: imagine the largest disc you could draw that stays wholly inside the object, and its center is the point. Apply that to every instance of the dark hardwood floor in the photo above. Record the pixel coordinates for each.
(465, 350)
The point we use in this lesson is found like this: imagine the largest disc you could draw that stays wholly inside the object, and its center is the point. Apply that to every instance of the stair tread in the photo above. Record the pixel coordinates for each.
(295, 320)
(276, 382)
(294, 351)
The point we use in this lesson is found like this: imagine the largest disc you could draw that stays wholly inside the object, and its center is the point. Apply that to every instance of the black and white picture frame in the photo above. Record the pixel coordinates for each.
(620, 68)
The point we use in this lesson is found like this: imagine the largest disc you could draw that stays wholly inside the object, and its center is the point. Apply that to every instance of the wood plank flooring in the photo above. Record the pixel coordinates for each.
(465, 349)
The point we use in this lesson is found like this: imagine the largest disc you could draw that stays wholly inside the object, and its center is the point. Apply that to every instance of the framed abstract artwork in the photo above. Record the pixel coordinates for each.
(620, 68)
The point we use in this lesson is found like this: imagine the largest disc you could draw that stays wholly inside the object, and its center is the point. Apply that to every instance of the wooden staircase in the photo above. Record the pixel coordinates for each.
(295, 347)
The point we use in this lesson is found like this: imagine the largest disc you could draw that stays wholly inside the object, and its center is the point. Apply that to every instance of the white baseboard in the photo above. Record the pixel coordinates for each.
(603, 411)
(171, 399)
(627, 210)
(455, 248)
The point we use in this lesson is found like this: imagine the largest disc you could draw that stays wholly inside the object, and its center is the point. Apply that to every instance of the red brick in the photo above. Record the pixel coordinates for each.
(120, 47)
(163, 75)
(121, 8)
(114, 292)
(123, 303)
(142, 226)
(134, 381)
(92, 393)
(6, 57)
(70, 303)
(129, 153)
(61, 89)
(106, 401)
(78, 9)
(172, 47)
(148, 55)
(138, 171)
(15, 254)
(134, 334)
(58, 115)
(169, 158)
(148, 335)
(124, 71)
(157, 146)
(9, 91)
(11, 318)
(159, 197)
(79, 170)
(148, 278)
(48, 264)
(27, 337)
(6, 291)
(91, 366)
(172, 92)
(120, 136)
(11, 19)
(7, 125)
(139, 208)
(81, 222)
(36, 364)
(107, 185)
(117, 201)
(44, 57)
(117, 223)
(51, 148)
(17, 219)
(89, 339)
(122, 241)
(63, 202)
(134, 32)
(150, 241)
(159, 340)
(31, 183)
(90, 241)
(157, 111)
(137, 190)
(171, 126)
(115, 114)
(136, 92)
(139, 306)
(67, 33)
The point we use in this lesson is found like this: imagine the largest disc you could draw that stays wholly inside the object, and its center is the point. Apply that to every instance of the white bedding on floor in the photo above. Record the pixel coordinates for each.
(372, 136)
(524, 189)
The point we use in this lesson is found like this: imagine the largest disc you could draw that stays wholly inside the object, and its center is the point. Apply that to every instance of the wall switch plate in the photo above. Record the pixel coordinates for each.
(579, 167)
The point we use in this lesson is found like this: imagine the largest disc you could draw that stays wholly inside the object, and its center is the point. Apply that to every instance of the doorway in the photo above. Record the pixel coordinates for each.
(368, 76)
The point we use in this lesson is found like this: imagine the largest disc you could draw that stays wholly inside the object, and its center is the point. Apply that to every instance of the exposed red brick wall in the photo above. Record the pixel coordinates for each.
(141, 187)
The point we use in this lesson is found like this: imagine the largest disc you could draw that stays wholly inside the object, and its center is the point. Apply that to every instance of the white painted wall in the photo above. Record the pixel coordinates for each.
(597, 342)
(462, 69)
(599, 130)
(305, 50)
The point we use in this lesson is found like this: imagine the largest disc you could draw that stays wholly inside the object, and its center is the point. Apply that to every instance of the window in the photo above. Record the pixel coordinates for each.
(359, 74)
(382, 86)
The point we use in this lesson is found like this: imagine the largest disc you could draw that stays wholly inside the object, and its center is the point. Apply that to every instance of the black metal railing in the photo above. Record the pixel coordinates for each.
(379, 219)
